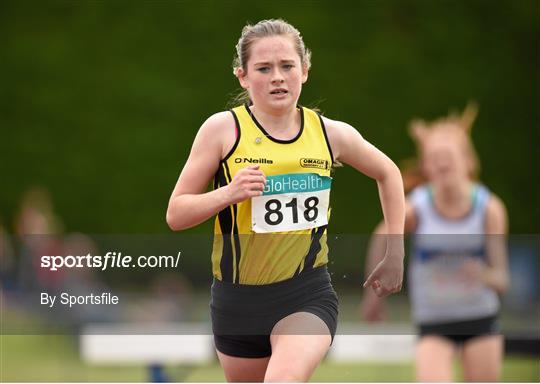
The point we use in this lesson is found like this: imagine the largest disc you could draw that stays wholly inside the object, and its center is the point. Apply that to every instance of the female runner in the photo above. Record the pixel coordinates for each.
(458, 264)
(273, 307)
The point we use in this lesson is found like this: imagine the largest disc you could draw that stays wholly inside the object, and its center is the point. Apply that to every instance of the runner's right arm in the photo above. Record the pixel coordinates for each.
(189, 204)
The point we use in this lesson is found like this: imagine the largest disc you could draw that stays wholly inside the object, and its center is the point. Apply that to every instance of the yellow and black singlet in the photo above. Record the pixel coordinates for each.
(282, 233)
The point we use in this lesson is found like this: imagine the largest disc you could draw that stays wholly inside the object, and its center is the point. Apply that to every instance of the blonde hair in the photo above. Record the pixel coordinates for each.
(456, 124)
(265, 28)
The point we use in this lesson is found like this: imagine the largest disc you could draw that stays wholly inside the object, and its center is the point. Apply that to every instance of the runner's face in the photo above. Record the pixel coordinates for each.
(444, 159)
(274, 75)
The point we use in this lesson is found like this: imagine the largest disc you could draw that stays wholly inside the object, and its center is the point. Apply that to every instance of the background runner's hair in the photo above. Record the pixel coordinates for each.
(265, 28)
(459, 125)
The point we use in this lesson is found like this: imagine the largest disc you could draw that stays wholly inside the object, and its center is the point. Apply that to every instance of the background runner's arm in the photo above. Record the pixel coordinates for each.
(189, 205)
(495, 273)
(377, 244)
(372, 307)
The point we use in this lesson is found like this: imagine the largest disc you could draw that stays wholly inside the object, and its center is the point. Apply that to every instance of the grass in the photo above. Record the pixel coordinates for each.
(515, 369)
(54, 358)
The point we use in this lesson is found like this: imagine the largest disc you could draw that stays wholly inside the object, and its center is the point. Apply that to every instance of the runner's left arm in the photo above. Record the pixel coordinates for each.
(495, 275)
(351, 148)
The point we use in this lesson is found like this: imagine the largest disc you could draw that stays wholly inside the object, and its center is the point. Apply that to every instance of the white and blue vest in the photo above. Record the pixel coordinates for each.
(439, 288)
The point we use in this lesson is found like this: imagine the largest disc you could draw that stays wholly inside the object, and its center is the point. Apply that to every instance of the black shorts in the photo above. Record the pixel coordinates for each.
(243, 316)
(461, 331)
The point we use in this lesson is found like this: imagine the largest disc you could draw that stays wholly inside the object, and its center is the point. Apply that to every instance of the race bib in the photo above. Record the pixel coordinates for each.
(291, 202)
(447, 283)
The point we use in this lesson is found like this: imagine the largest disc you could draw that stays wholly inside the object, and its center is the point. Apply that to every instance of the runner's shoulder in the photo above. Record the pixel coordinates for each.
(338, 128)
(219, 123)
(219, 131)
(340, 134)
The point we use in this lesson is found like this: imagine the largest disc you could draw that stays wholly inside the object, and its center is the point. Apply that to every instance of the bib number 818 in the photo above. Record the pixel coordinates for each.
(274, 216)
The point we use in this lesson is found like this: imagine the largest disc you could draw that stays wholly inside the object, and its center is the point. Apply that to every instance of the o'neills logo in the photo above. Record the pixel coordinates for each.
(251, 160)
(314, 163)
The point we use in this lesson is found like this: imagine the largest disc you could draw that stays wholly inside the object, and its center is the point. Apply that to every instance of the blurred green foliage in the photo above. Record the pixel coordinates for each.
(100, 101)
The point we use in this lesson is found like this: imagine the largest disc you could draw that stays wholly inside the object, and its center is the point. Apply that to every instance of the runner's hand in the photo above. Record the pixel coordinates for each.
(247, 183)
(387, 276)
